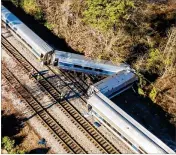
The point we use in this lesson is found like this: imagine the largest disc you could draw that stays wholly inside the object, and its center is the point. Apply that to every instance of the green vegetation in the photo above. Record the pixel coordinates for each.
(153, 94)
(141, 84)
(15, 2)
(7, 143)
(49, 25)
(141, 91)
(105, 14)
(155, 62)
(132, 31)
(31, 7)
(9, 146)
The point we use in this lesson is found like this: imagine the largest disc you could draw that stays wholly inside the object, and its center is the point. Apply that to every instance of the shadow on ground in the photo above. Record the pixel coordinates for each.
(149, 31)
(18, 139)
(39, 151)
(149, 115)
(10, 124)
(39, 28)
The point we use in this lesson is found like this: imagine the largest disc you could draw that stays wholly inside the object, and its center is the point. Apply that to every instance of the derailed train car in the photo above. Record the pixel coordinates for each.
(80, 63)
(114, 84)
(133, 134)
(125, 128)
(103, 109)
(50, 56)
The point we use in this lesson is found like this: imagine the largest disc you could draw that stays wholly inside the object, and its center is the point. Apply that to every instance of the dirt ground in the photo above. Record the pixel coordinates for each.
(26, 138)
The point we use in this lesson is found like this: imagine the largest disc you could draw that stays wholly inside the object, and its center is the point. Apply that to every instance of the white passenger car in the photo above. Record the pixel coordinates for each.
(114, 84)
(37, 45)
(134, 135)
(80, 63)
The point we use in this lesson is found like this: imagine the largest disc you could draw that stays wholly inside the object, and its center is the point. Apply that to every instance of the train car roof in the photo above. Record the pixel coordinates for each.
(23, 29)
(113, 82)
(118, 121)
(87, 62)
(114, 79)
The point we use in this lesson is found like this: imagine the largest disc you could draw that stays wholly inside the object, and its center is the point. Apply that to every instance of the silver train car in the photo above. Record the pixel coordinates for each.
(69, 61)
(114, 84)
(79, 63)
(36, 45)
(49, 56)
(134, 135)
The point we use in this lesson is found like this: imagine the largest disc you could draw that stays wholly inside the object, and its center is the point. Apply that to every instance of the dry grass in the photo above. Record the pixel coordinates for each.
(166, 97)
(144, 29)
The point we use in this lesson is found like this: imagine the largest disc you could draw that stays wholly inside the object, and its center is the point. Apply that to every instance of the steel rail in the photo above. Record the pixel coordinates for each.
(62, 136)
(82, 123)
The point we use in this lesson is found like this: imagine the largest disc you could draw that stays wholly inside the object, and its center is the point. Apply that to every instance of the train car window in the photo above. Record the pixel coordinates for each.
(126, 139)
(30, 46)
(134, 147)
(67, 65)
(99, 70)
(21, 38)
(64, 64)
(88, 68)
(144, 152)
(77, 66)
(96, 69)
(97, 124)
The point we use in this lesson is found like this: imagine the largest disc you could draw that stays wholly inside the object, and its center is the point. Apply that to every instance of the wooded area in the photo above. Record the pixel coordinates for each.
(140, 33)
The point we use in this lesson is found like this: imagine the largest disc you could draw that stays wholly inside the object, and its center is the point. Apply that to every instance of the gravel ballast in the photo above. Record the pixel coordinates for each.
(54, 110)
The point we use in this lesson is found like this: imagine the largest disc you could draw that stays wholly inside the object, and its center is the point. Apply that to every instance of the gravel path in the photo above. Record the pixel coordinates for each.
(56, 112)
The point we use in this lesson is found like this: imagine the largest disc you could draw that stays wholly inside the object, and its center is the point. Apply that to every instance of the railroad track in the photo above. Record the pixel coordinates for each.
(80, 91)
(80, 78)
(36, 108)
(79, 83)
(71, 112)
